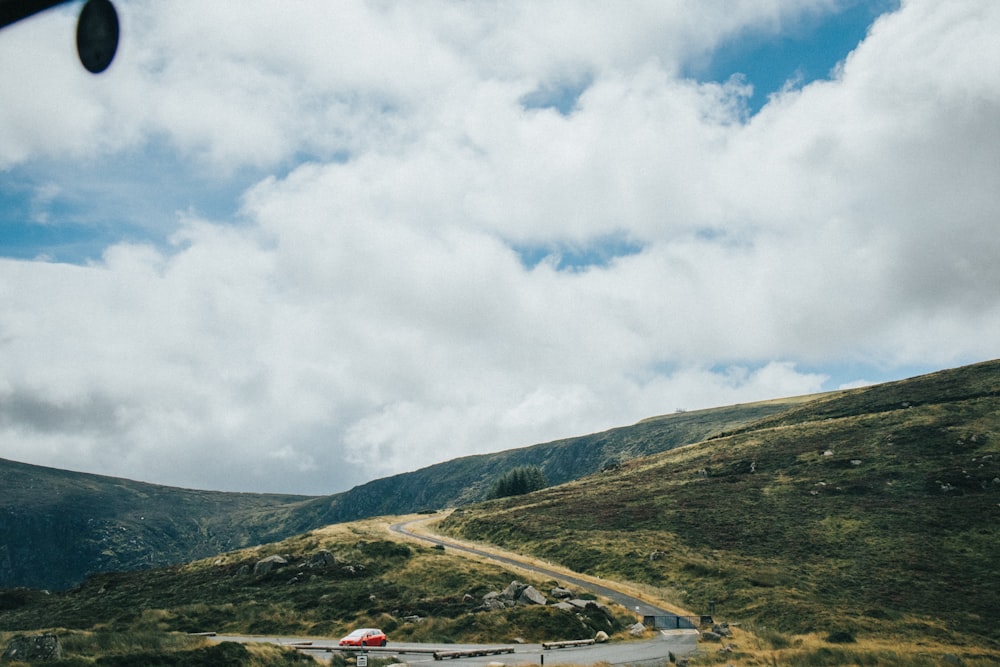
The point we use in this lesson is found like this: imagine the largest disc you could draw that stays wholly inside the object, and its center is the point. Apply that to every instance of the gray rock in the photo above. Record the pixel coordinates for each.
(565, 606)
(722, 630)
(561, 593)
(265, 565)
(601, 637)
(322, 558)
(33, 648)
(513, 590)
(530, 595)
(493, 602)
(711, 636)
(637, 630)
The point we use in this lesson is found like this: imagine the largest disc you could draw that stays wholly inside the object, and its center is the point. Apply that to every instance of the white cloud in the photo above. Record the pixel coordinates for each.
(366, 313)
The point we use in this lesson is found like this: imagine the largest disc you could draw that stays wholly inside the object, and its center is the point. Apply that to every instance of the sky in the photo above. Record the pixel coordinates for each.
(293, 247)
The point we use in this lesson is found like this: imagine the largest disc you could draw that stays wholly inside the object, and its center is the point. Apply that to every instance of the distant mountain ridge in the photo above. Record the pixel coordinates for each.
(57, 527)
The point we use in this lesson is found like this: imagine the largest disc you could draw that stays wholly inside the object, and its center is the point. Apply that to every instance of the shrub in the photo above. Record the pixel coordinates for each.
(840, 637)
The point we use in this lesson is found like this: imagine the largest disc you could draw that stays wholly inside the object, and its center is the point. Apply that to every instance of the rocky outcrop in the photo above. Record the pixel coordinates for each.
(266, 565)
(33, 648)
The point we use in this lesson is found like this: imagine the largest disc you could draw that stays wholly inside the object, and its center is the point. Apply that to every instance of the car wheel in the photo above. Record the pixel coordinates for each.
(384, 642)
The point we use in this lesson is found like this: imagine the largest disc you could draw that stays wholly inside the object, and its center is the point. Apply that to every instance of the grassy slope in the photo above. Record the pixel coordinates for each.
(369, 581)
(896, 530)
(468, 479)
(58, 526)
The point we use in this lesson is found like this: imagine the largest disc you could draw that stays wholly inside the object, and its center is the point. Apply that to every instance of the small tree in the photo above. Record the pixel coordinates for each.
(518, 481)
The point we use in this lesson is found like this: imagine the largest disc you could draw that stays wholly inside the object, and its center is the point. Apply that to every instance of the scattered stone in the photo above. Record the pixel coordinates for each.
(722, 629)
(711, 636)
(565, 606)
(265, 565)
(493, 602)
(530, 595)
(467, 598)
(322, 558)
(637, 630)
(601, 637)
(828, 452)
(33, 648)
(657, 555)
(513, 590)
(561, 593)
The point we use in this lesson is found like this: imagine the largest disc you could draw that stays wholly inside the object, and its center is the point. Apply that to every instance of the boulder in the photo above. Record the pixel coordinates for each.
(33, 648)
(265, 565)
(561, 593)
(722, 630)
(530, 595)
(637, 630)
(711, 636)
(565, 606)
(601, 637)
(513, 590)
(322, 558)
(493, 602)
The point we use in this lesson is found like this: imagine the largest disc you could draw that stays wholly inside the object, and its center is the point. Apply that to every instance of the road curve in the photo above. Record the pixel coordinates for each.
(641, 607)
(653, 652)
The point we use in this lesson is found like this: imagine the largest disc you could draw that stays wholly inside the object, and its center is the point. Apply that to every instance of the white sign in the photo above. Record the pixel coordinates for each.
(362, 660)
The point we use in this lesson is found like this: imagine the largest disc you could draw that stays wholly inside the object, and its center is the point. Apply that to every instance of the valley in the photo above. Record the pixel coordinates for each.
(856, 528)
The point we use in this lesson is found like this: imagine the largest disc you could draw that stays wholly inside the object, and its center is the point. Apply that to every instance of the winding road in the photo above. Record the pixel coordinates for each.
(651, 652)
(640, 607)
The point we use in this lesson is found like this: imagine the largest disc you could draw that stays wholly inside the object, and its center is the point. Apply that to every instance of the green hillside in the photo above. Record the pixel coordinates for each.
(322, 583)
(56, 527)
(873, 512)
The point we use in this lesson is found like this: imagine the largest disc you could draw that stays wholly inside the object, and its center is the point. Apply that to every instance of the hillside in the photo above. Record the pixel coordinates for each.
(871, 512)
(56, 527)
(468, 479)
(322, 583)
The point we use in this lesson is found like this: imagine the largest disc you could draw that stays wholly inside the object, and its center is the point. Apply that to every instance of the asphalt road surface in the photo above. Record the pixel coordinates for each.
(641, 607)
(651, 652)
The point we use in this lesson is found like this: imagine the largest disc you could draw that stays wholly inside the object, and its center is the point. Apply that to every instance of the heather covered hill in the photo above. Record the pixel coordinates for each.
(876, 510)
(56, 526)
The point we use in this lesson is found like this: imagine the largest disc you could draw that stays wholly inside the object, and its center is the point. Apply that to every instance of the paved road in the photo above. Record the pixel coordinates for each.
(652, 652)
(641, 607)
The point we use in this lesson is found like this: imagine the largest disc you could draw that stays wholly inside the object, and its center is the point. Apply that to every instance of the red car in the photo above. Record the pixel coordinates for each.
(365, 637)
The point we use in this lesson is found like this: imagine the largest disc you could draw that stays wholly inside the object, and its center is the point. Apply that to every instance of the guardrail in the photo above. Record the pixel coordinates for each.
(569, 642)
(472, 653)
(436, 652)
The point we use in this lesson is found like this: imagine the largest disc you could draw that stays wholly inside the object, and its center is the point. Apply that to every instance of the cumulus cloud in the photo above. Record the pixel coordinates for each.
(382, 297)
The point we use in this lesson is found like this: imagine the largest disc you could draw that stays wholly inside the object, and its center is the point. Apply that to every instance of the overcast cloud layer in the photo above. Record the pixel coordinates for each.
(430, 259)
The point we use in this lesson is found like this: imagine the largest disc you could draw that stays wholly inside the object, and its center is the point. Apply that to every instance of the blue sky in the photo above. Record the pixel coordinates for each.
(390, 234)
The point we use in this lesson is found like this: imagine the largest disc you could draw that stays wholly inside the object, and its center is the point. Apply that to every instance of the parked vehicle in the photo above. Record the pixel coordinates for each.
(365, 637)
